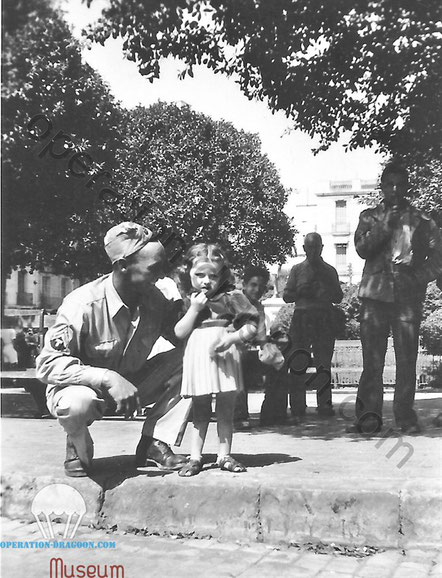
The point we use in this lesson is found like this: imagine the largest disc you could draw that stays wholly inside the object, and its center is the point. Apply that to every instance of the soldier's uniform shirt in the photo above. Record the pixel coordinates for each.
(94, 331)
(399, 263)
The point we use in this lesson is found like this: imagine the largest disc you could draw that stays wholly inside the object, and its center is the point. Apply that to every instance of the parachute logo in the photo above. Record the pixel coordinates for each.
(58, 500)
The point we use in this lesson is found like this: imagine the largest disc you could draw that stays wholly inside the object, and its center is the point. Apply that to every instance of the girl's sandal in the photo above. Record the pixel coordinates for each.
(229, 464)
(192, 468)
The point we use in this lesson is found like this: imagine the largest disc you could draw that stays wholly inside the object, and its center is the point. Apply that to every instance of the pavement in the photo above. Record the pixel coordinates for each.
(306, 483)
(177, 557)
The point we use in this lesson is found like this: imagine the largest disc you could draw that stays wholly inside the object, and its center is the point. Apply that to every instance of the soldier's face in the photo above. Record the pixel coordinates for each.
(394, 187)
(146, 267)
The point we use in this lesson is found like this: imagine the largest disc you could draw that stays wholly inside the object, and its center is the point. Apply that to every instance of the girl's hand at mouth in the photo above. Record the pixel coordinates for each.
(198, 301)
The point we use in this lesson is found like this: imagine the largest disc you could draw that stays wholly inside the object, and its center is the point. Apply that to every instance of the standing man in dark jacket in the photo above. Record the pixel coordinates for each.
(313, 285)
(402, 248)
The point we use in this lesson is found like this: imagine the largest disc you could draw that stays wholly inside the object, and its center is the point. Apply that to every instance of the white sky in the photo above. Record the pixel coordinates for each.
(221, 98)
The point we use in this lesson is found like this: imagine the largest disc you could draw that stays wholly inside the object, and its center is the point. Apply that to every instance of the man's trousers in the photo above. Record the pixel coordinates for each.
(377, 318)
(312, 330)
(158, 382)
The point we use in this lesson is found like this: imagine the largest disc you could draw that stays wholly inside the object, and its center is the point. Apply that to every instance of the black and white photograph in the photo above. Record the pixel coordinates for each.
(221, 289)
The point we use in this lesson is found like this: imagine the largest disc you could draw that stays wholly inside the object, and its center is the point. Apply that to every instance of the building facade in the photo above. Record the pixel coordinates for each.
(332, 209)
(27, 293)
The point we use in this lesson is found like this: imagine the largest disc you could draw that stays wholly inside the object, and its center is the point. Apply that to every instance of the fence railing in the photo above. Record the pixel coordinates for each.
(347, 364)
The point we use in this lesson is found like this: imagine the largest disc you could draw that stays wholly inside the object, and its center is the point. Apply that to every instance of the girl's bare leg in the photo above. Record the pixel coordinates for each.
(202, 411)
(225, 407)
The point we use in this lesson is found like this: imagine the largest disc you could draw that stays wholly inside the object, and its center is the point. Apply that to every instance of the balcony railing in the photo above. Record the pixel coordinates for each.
(337, 186)
(24, 298)
(341, 229)
(342, 270)
(368, 185)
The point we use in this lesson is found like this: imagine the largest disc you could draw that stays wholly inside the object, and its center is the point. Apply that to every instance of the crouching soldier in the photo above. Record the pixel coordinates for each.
(96, 353)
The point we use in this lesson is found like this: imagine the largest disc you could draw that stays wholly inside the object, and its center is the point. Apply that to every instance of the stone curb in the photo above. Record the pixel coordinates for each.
(246, 509)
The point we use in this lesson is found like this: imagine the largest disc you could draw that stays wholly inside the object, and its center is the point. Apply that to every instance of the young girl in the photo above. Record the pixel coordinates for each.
(217, 320)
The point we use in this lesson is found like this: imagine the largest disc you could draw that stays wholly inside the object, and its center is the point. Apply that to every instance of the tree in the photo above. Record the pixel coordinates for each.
(426, 184)
(18, 13)
(51, 218)
(283, 318)
(61, 133)
(433, 301)
(431, 331)
(350, 305)
(205, 179)
(370, 68)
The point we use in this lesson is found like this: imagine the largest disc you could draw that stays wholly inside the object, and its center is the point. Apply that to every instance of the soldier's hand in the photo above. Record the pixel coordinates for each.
(392, 216)
(123, 392)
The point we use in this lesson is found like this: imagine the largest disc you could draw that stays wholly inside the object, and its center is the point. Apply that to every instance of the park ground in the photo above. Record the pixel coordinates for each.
(315, 501)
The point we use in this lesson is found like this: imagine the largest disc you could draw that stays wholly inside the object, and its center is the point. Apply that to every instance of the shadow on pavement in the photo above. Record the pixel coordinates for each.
(253, 460)
(311, 426)
(111, 472)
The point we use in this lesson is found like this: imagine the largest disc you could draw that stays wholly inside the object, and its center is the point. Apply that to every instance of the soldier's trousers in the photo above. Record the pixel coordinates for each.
(312, 330)
(158, 382)
(377, 318)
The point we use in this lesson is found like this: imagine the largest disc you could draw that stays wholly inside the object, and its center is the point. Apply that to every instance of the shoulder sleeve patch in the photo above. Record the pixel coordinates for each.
(60, 339)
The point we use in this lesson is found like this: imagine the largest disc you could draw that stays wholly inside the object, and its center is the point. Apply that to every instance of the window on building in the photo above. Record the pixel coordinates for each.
(64, 286)
(341, 257)
(21, 281)
(341, 212)
(46, 285)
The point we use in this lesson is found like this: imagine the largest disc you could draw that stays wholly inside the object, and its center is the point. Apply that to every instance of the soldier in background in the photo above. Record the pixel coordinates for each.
(313, 286)
(402, 248)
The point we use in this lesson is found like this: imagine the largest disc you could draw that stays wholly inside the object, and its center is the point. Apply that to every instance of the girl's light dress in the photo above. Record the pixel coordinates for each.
(206, 372)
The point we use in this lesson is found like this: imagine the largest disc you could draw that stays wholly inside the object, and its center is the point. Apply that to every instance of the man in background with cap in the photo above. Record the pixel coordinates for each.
(402, 248)
(96, 353)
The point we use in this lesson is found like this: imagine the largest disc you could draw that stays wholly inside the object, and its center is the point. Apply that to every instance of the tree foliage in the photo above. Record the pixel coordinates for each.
(368, 67)
(50, 219)
(433, 301)
(431, 331)
(208, 180)
(426, 184)
(350, 305)
(283, 318)
(205, 179)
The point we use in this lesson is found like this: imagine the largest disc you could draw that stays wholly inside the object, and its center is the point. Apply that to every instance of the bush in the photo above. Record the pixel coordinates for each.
(431, 332)
(433, 300)
(350, 305)
(436, 377)
(352, 329)
(283, 318)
